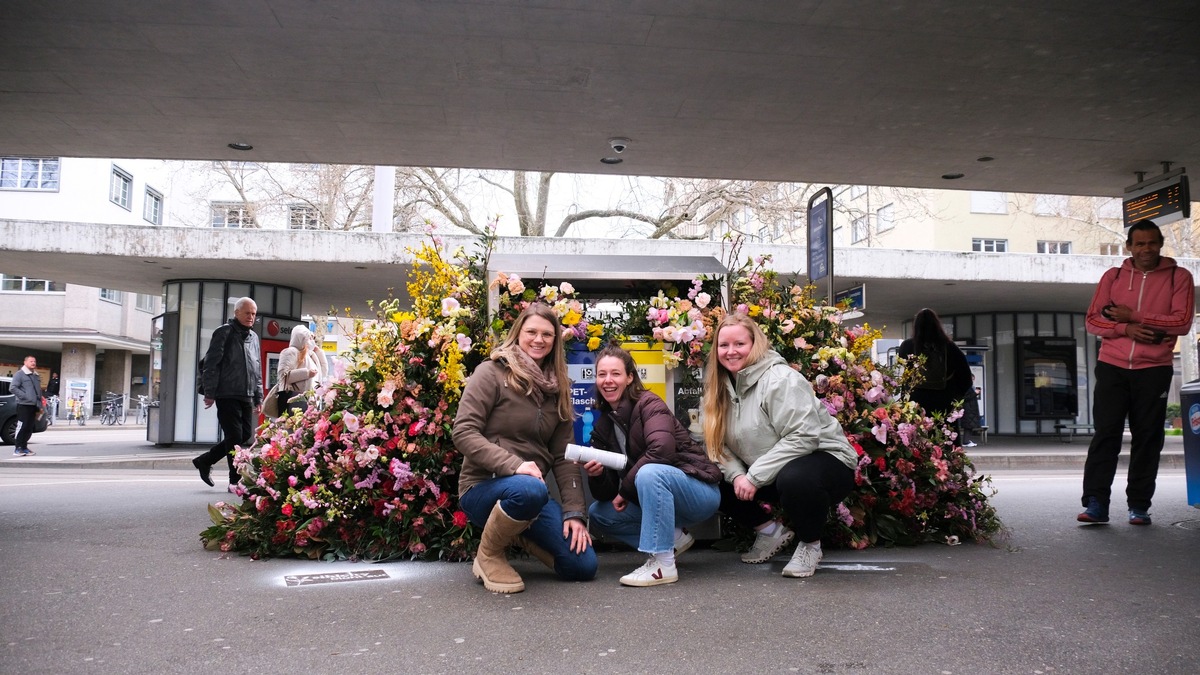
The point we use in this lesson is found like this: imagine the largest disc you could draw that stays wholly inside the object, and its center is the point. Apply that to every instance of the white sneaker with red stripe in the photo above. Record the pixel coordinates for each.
(651, 573)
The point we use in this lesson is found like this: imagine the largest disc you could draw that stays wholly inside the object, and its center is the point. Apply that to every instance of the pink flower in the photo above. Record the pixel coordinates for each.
(702, 300)
(879, 431)
(515, 287)
(351, 421)
(464, 342)
(450, 306)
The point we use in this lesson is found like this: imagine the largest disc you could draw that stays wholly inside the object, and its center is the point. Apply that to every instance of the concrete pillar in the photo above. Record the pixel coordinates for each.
(116, 373)
(384, 202)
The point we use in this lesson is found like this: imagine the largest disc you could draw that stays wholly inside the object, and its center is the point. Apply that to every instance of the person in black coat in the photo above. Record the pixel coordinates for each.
(946, 373)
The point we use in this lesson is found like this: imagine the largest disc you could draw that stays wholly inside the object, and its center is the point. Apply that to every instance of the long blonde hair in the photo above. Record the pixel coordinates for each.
(519, 376)
(716, 401)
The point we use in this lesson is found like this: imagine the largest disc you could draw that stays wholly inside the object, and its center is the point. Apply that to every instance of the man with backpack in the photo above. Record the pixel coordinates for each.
(232, 379)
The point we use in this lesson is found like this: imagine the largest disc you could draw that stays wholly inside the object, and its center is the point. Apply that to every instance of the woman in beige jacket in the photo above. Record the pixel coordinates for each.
(297, 371)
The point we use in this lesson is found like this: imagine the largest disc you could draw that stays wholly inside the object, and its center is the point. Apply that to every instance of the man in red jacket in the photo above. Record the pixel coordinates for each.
(1138, 310)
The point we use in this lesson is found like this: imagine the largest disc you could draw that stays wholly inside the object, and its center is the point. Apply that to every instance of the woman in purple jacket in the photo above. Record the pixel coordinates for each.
(668, 481)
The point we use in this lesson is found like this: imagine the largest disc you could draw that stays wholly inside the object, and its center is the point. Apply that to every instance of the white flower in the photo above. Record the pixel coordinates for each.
(702, 300)
(550, 293)
(566, 288)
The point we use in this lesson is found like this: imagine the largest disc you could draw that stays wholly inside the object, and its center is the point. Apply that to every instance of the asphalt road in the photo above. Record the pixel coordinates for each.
(105, 574)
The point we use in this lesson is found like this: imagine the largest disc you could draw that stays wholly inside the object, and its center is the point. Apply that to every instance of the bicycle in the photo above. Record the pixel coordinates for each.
(144, 406)
(113, 411)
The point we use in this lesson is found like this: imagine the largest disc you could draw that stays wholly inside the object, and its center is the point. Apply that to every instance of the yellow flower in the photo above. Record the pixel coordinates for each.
(571, 318)
(595, 329)
(593, 343)
(401, 317)
(755, 310)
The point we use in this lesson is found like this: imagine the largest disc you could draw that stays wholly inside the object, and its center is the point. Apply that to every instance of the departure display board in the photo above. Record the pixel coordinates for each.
(1163, 203)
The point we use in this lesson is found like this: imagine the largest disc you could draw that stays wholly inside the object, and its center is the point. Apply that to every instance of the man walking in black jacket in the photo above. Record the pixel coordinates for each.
(232, 379)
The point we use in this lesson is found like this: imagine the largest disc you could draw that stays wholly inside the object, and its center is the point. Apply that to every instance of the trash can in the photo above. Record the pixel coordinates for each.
(1189, 403)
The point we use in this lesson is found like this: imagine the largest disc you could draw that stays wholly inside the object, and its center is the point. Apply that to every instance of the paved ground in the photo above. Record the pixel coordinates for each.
(106, 575)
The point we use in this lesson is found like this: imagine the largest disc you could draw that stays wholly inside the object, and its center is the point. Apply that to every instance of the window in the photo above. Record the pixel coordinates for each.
(859, 229)
(27, 285)
(303, 217)
(231, 214)
(152, 211)
(1112, 249)
(1050, 205)
(29, 173)
(111, 295)
(989, 245)
(764, 234)
(884, 220)
(145, 302)
(857, 191)
(1054, 247)
(120, 187)
(989, 202)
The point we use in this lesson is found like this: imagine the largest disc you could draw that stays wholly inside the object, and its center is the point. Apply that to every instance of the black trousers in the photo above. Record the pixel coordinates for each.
(26, 420)
(1141, 396)
(806, 487)
(236, 419)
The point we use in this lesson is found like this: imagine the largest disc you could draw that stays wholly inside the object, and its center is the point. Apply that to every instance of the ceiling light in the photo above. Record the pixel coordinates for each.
(985, 158)
(952, 176)
(611, 160)
(241, 146)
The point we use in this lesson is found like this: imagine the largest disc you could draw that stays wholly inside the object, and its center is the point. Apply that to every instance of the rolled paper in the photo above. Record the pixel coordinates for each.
(584, 454)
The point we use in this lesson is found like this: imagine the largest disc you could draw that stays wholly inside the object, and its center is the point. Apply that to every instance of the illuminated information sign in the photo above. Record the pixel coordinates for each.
(1160, 203)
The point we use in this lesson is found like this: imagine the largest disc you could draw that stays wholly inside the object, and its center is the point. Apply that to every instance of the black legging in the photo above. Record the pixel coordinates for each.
(806, 488)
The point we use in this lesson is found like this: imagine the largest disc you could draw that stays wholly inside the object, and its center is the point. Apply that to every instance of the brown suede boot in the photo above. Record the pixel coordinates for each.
(491, 562)
(536, 551)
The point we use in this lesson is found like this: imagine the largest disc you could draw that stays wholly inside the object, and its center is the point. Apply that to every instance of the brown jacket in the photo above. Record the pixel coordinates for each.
(499, 428)
(653, 436)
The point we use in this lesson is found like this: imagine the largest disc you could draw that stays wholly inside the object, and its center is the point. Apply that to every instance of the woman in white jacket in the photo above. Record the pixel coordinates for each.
(774, 441)
(298, 370)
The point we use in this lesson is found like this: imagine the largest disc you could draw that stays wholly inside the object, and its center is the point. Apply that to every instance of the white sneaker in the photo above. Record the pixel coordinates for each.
(683, 541)
(767, 546)
(804, 562)
(651, 573)
(969, 444)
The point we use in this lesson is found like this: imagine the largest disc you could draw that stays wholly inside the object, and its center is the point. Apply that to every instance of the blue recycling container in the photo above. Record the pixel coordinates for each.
(581, 368)
(1189, 402)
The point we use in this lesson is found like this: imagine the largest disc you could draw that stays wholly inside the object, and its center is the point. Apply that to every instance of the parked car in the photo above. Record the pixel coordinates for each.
(8, 414)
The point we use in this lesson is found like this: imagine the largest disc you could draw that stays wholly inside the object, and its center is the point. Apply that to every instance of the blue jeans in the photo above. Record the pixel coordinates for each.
(669, 498)
(526, 498)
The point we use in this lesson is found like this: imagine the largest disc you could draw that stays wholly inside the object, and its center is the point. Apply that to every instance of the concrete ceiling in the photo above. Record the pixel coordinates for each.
(1067, 97)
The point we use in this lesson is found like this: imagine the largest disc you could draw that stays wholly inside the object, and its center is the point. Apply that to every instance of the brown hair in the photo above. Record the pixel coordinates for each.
(716, 401)
(635, 389)
(556, 361)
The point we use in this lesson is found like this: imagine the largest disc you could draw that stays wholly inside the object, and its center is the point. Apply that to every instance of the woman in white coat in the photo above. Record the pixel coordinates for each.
(298, 370)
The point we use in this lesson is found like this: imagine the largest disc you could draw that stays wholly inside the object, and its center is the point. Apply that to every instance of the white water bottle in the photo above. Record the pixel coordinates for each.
(583, 454)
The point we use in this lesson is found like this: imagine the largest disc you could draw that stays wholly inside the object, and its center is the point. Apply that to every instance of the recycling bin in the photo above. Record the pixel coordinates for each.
(1189, 402)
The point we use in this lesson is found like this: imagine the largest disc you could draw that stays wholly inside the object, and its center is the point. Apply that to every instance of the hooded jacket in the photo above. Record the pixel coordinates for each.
(498, 428)
(653, 436)
(1162, 298)
(775, 417)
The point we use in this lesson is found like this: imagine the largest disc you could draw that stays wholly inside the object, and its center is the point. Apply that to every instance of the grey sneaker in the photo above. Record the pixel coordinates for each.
(683, 542)
(804, 562)
(768, 546)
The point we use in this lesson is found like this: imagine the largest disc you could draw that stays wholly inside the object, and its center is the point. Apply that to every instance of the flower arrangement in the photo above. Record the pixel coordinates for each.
(577, 328)
(678, 323)
(368, 470)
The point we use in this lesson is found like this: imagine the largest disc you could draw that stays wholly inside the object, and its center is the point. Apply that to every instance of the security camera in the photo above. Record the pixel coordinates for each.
(618, 144)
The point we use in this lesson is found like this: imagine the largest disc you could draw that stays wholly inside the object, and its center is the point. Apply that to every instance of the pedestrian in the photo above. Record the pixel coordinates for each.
(668, 481)
(774, 440)
(297, 371)
(1138, 310)
(27, 388)
(514, 421)
(232, 379)
(971, 415)
(53, 386)
(946, 374)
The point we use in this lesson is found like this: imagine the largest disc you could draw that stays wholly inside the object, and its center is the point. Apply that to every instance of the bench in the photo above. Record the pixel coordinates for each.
(1067, 431)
